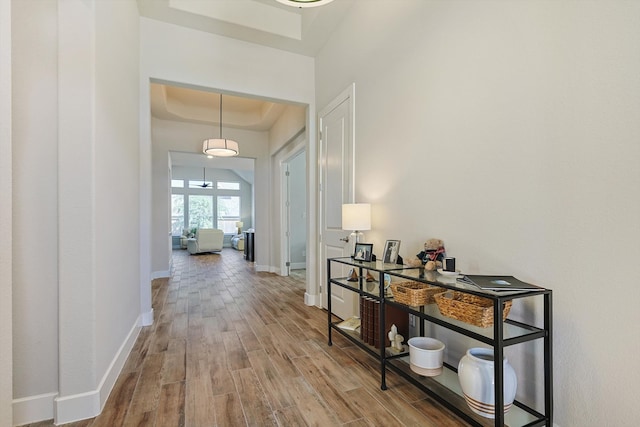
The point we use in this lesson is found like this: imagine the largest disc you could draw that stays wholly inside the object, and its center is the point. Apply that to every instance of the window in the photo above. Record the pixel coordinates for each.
(228, 213)
(177, 214)
(222, 185)
(201, 211)
(225, 200)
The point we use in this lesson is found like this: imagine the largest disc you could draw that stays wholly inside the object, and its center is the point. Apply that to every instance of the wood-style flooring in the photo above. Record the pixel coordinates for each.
(232, 347)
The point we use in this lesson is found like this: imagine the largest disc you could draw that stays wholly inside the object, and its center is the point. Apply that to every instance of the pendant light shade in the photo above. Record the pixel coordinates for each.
(220, 147)
(304, 3)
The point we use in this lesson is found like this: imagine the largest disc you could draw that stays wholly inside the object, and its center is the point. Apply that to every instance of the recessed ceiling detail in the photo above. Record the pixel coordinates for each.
(202, 107)
(303, 30)
(247, 13)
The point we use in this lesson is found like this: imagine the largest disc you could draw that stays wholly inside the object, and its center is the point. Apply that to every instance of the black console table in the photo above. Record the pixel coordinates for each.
(445, 388)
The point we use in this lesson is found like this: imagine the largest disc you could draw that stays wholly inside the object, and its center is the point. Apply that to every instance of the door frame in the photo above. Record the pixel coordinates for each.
(347, 95)
(297, 146)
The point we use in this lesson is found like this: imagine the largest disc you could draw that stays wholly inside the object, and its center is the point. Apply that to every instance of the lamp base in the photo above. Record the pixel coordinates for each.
(355, 237)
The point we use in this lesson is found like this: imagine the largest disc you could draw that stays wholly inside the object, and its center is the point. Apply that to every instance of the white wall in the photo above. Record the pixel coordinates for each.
(75, 172)
(289, 124)
(515, 130)
(117, 179)
(35, 290)
(6, 350)
(182, 56)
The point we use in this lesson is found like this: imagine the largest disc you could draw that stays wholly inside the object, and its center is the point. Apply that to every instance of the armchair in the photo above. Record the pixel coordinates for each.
(206, 240)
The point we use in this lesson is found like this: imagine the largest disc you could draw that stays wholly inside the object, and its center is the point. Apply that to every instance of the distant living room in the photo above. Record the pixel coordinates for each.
(208, 198)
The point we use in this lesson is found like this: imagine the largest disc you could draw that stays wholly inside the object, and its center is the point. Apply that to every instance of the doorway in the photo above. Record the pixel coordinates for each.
(294, 211)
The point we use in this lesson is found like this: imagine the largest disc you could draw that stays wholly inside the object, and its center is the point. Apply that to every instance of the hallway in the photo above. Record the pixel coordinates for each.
(231, 347)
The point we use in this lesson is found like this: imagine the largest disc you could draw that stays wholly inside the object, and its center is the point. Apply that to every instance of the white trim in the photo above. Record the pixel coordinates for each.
(33, 408)
(81, 406)
(146, 319)
(267, 268)
(294, 147)
(162, 274)
(313, 300)
(348, 94)
(76, 407)
(111, 376)
(297, 265)
(6, 227)
(284, 215)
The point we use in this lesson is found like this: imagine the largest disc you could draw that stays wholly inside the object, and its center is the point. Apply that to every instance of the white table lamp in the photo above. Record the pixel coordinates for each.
(357, 218)
(239, 224)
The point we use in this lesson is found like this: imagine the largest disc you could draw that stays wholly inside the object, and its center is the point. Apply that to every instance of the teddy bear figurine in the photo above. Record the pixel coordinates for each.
(431, 256)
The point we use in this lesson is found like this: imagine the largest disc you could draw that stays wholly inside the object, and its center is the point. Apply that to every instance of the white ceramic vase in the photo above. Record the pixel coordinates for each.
(475, 373)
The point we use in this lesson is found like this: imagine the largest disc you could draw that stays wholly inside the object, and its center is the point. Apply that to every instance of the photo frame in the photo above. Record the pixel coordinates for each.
(363, 252)
(391, 251)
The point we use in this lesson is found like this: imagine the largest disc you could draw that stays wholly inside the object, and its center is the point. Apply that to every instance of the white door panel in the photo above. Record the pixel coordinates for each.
(336, 188)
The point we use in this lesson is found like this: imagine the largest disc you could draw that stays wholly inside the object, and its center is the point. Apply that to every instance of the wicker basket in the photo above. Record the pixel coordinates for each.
(414, 293)
(469, 308)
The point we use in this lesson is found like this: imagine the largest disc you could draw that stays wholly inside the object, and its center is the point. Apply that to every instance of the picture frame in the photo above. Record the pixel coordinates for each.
(363, 252)
(391, 251)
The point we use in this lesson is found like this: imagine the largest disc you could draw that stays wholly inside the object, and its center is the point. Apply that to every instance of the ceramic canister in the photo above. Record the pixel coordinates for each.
(426, 356)
(476, 376)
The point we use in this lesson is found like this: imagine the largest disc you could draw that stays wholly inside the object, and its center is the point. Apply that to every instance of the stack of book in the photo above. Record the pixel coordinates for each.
(370, 321)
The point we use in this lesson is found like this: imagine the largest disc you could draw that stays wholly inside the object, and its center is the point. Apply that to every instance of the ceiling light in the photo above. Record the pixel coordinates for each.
(304, 3)
(220, 147)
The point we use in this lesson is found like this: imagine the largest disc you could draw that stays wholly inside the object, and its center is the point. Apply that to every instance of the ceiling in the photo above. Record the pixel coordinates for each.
(203, 107)
(265, 22)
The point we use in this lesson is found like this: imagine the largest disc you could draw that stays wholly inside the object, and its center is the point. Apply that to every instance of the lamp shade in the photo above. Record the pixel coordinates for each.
(239, 224)
(220, 147)
(356, 216)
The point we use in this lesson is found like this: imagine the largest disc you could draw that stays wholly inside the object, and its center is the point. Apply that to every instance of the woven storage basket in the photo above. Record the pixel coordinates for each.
(469, 308)
(414, 293)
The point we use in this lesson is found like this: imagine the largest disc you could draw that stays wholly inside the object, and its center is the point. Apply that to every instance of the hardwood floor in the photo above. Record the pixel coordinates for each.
(231, 347)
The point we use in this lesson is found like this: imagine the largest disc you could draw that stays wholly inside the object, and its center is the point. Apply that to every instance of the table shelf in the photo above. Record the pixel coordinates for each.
(445, 387)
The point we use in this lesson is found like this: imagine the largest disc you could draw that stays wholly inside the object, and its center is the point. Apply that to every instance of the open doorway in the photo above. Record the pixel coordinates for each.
(268, 132)
(295, 214)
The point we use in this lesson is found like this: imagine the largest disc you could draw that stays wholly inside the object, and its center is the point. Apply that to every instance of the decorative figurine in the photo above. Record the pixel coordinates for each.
(431, 257)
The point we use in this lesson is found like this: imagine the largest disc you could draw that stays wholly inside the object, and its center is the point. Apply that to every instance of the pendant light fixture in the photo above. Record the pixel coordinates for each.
(220, 147)
(304, 3)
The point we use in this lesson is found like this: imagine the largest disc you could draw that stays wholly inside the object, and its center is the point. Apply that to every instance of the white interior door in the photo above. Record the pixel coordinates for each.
(286, 218)
(336, 187)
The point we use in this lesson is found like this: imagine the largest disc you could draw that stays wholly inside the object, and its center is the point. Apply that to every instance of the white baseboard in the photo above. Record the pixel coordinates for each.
(146, 319)
(298, 265)
(76, 407)
(263, 268)
(81, 406)
(33, 408)
(310, 299)
(111, 376)
(160, 274)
